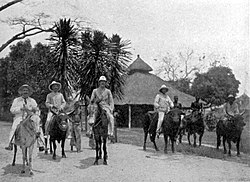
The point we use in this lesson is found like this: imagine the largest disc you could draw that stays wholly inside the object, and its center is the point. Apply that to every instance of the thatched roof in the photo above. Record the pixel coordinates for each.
(141, 88)
(139, 66)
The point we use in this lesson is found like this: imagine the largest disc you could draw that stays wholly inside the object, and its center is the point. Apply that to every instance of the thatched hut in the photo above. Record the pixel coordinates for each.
(140, 90)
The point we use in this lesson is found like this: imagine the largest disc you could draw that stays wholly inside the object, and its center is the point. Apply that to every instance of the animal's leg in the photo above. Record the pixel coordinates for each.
(172, 143)
(145, 139)
(105, 151)
(50, 146)
(200, 138)
(152, 138)
(96, 150)
(224, 144)
(194, 140)
(238, 146)
(62, 145)
(30, 158)
(71, 148)
(46, 146)
(24, 159)
(54, 147)
(189, 138)
(229, 147)
(100, 147)
(26, 153)
(218, 141)
(166, 143)
(14, 158)
(180, 135)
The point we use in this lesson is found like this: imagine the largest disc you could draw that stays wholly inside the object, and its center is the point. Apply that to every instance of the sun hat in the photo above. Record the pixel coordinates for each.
(102, 78)
(25, 86)
(163, 87)
(55, 83)
(230, 96)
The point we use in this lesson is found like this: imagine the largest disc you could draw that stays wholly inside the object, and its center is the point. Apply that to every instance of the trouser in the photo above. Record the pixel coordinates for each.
(160, 120)
(13, 128)
(47, 124)
(40, 140)
(111, 122)
(76, 136)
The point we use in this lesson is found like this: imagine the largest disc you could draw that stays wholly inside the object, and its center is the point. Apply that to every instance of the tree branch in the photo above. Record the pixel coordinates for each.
(25, 34)
(9, 4)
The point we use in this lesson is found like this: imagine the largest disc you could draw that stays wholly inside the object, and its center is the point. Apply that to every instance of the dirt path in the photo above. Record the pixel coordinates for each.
(126, 163)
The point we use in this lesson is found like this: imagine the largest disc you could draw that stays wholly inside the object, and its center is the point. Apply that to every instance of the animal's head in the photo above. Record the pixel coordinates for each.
(175, 114)
(35, 122)
(238, 120)
(196, 116)
(61, 119)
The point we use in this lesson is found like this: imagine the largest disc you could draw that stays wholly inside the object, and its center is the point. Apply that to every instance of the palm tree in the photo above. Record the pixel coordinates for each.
(65, 55)
(103, 56)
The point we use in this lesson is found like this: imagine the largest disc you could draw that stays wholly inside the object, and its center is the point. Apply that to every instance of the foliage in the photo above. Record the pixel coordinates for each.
(64, 52)
(182, 84)
(215, 85)
(25, 65)
(103, 56)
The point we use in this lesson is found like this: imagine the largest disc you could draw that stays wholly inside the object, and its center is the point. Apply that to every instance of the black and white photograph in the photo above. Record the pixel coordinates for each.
(124, 91)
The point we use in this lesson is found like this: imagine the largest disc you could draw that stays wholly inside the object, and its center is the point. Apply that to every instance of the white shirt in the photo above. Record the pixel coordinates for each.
(19, 103)
(163, 102)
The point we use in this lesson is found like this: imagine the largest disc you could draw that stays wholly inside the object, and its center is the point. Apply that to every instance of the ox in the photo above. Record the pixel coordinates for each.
(230, 130)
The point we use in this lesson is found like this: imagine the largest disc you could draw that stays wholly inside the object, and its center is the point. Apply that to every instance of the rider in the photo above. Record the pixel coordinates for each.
(54, 101)
(21, 107)
(162, 104)
(105, 97)
(176, 103)
(196, 106)
(231, 107)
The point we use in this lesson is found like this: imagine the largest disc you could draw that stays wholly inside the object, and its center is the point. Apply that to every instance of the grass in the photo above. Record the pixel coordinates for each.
(135, 136)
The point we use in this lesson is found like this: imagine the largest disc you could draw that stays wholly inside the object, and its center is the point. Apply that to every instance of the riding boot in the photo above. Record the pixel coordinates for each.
(10, 147)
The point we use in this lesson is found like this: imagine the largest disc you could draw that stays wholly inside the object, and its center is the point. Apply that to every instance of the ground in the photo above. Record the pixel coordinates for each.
(126, 162)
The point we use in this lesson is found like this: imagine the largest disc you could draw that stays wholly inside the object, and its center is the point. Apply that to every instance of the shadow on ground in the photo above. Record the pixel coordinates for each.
(88, 162)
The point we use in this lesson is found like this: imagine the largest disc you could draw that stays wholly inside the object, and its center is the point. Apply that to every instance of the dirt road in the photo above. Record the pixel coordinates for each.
(126, 163)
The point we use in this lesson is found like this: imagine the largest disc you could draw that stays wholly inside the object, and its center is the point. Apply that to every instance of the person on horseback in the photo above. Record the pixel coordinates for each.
(104, 96)
(54, 102)
(162, 104)
(22, 107)
(230, 107)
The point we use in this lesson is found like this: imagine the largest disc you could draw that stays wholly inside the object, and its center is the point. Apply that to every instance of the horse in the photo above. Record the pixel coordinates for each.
(25, 136)
(230, 130)
(57, 132)
(171, 127)
(195, 124)
(100, 130)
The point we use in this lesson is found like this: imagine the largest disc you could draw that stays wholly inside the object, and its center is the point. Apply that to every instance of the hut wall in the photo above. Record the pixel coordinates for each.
(138, 114)
(245, 138)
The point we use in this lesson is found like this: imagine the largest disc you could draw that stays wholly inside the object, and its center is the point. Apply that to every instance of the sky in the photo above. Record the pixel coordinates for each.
(156, 27)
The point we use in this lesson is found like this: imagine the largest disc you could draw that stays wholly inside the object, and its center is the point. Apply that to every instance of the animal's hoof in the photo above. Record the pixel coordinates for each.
(165, 151)
(144, 148)
(105, 163)
(46, 152)
(64, 156)
(31, 173)
(96, 163)
(100, 157)
(13, 164)
(238, 155)
(157, 149)
(54, 157)
(225, 152)
(22, 171)
(229, 154)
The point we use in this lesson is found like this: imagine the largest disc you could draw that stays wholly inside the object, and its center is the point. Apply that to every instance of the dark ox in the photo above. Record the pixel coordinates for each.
(170, 127)
(230, 130)
(193, 124)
